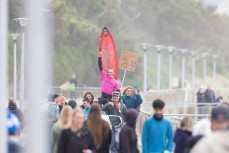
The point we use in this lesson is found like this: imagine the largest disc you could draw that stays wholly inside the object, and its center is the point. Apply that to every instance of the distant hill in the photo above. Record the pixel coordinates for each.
(181, 23)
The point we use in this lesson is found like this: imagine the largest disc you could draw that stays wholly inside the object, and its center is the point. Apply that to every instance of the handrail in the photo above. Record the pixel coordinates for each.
(192, 115)
(182, 103)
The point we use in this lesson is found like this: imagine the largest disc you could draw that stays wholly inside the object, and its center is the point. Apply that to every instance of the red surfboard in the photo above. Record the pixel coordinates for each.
(108, 49)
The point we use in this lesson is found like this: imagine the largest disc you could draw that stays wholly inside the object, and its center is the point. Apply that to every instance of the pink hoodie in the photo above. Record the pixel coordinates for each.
(109, 84)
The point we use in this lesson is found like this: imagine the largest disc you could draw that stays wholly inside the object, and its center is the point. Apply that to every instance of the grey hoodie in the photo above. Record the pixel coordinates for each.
(214, 143)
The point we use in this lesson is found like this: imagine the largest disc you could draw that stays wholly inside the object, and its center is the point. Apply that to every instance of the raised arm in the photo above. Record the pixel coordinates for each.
(138, 101)
(100, 61)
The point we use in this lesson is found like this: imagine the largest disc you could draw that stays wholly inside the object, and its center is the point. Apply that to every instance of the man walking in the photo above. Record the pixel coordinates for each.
(157, 134)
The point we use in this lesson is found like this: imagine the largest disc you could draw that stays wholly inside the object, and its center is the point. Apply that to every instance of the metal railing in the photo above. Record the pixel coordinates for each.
(174, 118)
(79, 92)
(187, 94)
(180, 107)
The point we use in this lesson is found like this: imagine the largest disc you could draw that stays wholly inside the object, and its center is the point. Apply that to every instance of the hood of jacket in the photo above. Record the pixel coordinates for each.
(131, 116)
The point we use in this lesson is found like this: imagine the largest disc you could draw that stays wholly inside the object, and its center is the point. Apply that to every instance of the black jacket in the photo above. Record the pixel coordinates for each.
(209, 96)
(192, 141)
(75, 142)
(128, 138)
(16, 111)
(180, 139)
(200, 97)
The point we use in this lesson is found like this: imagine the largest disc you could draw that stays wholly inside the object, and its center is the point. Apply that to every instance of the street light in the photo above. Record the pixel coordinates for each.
(194, 53)
(145, 47)
(170, 50)
(4, 13)
(183, 52)
(204, 54)
(23, 22)
(159, 48)
(14, 37)
(214, 56)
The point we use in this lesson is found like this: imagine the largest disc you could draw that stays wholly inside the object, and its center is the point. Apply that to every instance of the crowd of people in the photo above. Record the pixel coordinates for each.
(82, 128)
(72, 132)
(108, 124)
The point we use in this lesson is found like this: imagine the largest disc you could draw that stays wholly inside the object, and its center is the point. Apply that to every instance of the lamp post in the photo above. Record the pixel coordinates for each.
(4, 76)
(23, 22)
(194, 53)
(159, 48)
(183, 52)
(170, 50)
(205, 54)
(14, 37)
(214, 56)
(145, 47)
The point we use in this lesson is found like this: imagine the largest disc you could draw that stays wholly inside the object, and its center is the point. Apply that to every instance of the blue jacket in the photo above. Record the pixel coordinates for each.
(86, 111)
(132, 101)
(157, 136)
(53, 108)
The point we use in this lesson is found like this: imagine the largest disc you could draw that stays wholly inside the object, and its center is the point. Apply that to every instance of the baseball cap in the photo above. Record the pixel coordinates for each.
(220, 113)
(115, 93)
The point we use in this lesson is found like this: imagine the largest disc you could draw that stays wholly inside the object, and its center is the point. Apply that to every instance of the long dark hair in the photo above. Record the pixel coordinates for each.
(97, 126)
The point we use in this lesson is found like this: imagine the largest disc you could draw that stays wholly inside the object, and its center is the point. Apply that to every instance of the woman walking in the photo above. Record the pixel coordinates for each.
(77, 138)
(99, 128)
(64, 122)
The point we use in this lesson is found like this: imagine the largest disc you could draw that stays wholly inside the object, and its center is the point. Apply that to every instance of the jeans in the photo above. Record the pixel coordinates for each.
(114, 147)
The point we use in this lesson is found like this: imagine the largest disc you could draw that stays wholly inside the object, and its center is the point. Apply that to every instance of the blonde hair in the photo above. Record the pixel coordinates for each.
(77, 110)
(65, 119)
(127, 87)
(186, 122)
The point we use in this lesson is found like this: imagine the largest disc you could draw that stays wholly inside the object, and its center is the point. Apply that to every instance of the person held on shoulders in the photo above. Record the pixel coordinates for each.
(108, 82)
